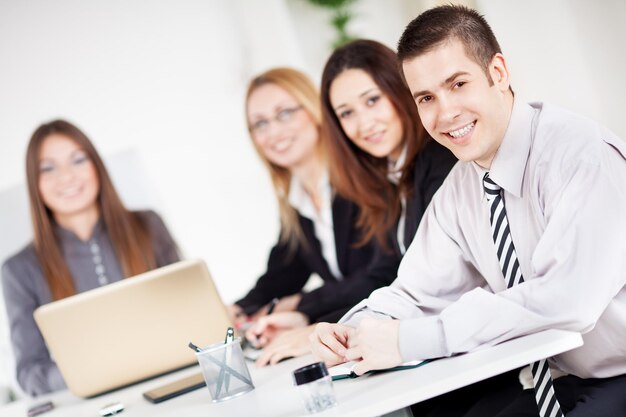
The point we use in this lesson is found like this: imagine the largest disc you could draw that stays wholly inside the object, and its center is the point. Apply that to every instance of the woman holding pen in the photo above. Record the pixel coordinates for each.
(318, 227)
(83, 238)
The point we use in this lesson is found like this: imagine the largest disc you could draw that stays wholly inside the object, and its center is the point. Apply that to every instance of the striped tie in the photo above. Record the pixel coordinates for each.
(544, 392)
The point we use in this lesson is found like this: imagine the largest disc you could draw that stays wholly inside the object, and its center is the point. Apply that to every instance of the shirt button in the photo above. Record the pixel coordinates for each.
(94, 248)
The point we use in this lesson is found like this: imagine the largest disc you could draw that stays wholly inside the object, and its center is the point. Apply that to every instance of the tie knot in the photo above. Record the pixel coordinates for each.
(491, 188)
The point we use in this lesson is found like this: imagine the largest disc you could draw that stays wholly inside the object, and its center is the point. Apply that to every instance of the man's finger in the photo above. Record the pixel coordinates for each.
(353, 354)
(361, 367)
(323, 353)
(331, 342)
(345, 334)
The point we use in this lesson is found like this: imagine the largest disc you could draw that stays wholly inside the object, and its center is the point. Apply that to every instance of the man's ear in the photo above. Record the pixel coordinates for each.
(499, 72)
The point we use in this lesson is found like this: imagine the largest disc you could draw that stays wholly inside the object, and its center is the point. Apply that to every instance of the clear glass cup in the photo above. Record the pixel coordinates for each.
(315, 387)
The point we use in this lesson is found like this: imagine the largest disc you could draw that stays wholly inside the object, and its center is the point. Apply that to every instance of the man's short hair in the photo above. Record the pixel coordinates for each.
(441, 24)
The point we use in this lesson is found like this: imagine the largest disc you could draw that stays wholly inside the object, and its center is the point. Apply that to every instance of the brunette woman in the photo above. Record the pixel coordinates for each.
(380, 155)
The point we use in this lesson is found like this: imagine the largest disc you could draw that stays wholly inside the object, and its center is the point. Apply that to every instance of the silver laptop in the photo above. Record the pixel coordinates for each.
(133, 329)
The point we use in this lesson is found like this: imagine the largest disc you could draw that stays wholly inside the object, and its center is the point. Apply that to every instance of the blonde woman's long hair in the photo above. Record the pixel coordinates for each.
(303, 90)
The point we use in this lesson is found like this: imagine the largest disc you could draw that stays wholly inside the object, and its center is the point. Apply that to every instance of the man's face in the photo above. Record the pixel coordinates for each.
(458, 106)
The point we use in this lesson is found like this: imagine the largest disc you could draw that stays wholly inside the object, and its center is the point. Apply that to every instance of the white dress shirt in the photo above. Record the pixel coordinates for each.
(564, 184)
(300, 200)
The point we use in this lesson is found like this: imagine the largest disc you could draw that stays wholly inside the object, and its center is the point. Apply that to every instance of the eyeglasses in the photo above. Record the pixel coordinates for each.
(284, 116)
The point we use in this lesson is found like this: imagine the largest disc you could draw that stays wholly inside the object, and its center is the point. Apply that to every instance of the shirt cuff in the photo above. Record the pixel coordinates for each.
(422, 338)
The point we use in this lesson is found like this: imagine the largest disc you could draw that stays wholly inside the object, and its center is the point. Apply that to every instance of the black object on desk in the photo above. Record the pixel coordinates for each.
(40, 409)
(175, 389)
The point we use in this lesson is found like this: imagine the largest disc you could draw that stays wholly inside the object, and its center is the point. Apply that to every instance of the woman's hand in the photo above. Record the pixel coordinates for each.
(288, 303)
(288, 344)
(268, 327)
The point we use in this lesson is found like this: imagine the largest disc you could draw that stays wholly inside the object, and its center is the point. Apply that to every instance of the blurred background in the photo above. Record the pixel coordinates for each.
(158, 87)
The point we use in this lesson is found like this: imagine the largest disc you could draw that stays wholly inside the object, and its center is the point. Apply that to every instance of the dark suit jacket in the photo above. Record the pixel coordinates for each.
(364, 269)
(432, 166)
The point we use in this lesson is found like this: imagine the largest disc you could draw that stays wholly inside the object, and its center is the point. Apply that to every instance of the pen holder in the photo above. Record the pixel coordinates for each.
(225, 371)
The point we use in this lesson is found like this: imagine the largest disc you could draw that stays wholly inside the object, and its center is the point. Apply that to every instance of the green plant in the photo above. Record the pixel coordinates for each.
(340, 18)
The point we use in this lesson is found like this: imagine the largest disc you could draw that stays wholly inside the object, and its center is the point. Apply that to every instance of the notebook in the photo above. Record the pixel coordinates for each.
(345, 370)
(133, 329)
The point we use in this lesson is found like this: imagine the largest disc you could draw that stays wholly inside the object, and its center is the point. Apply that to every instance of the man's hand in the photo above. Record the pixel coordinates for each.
(268, 327)
(329, 342)
(374, 345)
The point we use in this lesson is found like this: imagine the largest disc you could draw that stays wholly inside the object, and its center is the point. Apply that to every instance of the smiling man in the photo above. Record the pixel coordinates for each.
(526, 234)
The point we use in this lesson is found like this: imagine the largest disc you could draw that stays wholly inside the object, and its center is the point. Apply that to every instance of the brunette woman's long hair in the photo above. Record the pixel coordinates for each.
(129, 235)
(355, 173)
(303, 90)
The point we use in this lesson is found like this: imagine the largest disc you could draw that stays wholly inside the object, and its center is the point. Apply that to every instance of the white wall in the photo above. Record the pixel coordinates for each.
(314, 35)
(162, 78)
(164, 81)
(569, 52)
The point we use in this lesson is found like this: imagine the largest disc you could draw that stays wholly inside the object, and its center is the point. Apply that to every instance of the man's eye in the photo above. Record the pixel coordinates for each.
(459, 84)
(425, 99)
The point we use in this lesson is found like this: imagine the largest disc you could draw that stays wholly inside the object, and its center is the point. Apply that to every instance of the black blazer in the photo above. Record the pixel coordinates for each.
(432, 166)
(364, 269)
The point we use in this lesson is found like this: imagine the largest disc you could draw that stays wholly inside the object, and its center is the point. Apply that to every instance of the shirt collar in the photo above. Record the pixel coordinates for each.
(509, 164)
(68, 236)
(301, 200)
(394, 168)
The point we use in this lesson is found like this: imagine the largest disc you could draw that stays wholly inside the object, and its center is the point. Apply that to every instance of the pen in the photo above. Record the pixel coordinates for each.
(272, 305)
(270, 309)
(230, 337)
(194, 347)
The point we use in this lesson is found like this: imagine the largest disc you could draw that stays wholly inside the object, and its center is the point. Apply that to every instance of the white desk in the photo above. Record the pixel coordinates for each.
(275, 396)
